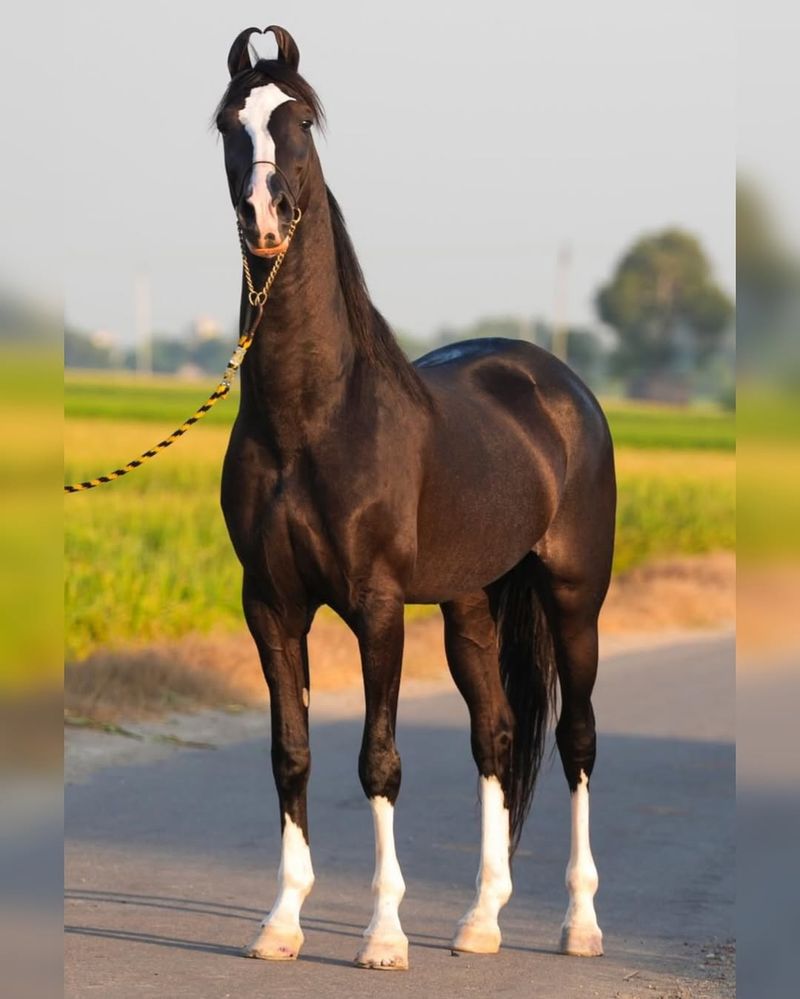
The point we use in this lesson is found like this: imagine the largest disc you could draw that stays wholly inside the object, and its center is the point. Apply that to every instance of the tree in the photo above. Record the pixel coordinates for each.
(80, 352)
(666, 308)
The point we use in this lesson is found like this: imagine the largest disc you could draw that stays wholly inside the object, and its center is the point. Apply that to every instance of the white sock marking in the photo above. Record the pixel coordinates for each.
(581, 879)
(295, 878)
(493, 883)
(255, 116)
(388, 886)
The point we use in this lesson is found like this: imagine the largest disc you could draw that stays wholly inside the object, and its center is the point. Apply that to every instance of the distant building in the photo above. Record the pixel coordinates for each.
(104, 339)
(190, 372)
(206, 328)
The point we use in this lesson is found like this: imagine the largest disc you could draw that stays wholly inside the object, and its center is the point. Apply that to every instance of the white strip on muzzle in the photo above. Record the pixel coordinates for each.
(255, 116)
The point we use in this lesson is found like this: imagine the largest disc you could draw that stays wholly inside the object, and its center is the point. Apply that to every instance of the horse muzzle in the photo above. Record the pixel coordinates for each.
(265, 244)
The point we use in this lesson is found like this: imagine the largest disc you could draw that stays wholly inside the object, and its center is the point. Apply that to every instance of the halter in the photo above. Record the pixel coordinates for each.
(256, 298)
(278, 170)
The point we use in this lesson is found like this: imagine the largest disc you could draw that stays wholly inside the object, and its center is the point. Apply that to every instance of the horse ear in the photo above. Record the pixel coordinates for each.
(239, 57)
(288, 51)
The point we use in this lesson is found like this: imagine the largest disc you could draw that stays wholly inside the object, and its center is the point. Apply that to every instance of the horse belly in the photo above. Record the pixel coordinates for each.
(472, 531)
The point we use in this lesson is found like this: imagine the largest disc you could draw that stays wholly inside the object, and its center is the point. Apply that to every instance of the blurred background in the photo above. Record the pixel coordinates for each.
(768, 480)
(600, 142)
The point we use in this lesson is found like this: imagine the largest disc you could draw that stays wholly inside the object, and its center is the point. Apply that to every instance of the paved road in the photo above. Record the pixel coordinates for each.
(171, 862)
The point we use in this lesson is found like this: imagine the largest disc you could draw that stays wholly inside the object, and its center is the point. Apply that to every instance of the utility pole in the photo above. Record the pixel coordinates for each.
(144, 325)
(560, 327)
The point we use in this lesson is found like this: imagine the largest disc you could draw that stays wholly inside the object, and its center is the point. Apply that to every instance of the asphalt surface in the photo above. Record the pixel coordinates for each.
(171, 860)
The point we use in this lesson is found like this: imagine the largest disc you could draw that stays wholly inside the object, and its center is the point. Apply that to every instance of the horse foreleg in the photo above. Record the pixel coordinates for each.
(283, 658)
(380, 636)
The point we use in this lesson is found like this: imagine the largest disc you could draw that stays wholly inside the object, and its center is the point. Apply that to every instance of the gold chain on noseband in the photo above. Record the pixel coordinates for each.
(257, 300)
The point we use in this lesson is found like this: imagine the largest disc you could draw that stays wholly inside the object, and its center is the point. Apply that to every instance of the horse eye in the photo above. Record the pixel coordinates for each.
(306, 124)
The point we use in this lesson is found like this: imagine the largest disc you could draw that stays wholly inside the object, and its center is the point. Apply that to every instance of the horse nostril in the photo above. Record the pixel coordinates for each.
(271, 238)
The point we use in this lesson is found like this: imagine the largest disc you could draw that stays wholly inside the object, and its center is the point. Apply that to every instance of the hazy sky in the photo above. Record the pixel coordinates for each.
(466, 143)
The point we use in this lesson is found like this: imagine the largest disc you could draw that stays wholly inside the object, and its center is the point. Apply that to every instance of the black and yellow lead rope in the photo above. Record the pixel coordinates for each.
(257, 300)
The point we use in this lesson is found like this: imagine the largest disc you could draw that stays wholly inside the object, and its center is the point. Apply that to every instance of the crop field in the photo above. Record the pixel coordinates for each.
(147, 558)
(167, 402)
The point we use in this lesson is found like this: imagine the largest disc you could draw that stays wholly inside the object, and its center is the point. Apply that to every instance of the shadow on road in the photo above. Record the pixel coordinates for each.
(662, 816)
(179, 856)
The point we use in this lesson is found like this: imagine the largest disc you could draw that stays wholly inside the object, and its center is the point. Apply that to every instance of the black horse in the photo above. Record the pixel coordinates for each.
(481, 478)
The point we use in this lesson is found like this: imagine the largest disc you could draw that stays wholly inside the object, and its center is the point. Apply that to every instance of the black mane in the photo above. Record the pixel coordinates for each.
(372, 337)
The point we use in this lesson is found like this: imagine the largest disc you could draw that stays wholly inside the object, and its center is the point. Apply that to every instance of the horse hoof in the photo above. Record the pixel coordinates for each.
(384, 955)
(276, 944)
(477, 939)
(581, 941)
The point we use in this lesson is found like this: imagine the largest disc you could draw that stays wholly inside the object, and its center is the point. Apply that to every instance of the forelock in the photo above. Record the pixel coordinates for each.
(267, 71)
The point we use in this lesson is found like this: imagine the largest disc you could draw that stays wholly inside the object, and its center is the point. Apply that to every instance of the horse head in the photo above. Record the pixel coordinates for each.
(265, 119)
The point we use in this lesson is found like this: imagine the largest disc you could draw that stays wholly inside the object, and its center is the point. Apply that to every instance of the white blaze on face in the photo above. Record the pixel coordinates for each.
(255, 116)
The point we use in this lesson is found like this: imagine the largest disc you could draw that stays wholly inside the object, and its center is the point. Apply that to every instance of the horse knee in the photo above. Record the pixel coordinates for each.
(379, 769)
(291, 765)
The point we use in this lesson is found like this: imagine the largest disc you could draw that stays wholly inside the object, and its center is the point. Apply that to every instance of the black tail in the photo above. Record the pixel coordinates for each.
(528, 671)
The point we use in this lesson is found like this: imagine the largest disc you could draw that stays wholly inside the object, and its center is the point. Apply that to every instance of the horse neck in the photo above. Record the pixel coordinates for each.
(297, 369)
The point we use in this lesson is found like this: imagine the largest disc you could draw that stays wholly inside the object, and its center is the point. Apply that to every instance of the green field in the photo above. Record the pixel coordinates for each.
(148, 558)
(167, 402)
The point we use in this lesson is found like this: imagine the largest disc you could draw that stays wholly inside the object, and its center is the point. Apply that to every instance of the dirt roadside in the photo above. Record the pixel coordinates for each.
(91, 744)
(648, 605)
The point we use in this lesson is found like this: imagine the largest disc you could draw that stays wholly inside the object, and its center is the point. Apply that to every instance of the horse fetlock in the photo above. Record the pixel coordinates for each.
(298, 883)
(495, 887)
(389, 889)
(582, 881)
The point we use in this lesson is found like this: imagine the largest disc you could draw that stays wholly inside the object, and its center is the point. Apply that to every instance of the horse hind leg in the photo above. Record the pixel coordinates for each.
(575, 612)
(471, 648)
(576, 553)
(380, 637)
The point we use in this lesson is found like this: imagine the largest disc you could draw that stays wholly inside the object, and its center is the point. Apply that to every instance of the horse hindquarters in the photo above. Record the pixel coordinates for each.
(543, 631)
(577, 552)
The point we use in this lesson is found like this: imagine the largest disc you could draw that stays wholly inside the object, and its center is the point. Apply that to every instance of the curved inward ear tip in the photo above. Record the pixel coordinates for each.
(288, 51)
(239, 54)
